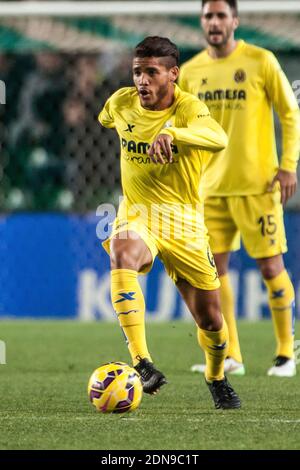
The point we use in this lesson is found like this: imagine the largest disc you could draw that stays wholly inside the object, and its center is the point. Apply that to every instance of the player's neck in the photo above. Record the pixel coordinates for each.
(222, 51)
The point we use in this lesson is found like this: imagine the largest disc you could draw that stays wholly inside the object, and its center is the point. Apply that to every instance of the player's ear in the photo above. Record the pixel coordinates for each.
(173, 73)
(236, 22)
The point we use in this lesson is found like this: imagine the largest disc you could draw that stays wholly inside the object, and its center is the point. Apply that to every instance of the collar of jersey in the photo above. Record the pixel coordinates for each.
(237, 50)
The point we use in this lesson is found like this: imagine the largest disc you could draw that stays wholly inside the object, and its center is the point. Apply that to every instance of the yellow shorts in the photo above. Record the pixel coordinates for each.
(183, 258)
(258, 220)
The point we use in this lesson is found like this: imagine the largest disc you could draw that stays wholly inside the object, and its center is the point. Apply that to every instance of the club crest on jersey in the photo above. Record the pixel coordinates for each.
(240, 76)
(167, 124)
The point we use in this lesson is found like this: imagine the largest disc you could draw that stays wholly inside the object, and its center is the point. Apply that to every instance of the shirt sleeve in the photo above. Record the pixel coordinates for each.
(201, 130)
(106, 115)
(281, 94)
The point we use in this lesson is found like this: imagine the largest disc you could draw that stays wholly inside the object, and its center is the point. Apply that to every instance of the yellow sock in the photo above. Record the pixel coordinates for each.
(215, 346)
(129, 305)
(228, 310)
(282, 305)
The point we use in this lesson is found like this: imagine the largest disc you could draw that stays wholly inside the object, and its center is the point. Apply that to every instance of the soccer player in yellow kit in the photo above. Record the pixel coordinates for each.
(166, 137)
(244, 185)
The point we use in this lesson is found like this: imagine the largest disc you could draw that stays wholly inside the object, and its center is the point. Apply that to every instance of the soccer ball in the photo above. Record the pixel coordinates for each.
(115, 388)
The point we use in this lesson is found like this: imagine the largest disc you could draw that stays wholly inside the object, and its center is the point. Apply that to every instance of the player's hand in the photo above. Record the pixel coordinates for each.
(288, 184)
(161, 151)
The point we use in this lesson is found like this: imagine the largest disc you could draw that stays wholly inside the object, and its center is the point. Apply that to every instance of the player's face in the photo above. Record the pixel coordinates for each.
(154, 82)
(218, 23)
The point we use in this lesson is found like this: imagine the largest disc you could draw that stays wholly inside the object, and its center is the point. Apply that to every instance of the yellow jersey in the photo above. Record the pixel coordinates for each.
(240, 91)
(195, 136)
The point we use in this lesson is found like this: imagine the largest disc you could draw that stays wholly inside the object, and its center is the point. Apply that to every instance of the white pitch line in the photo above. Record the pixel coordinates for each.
(253, 420)
(145, 418)
(274, 420)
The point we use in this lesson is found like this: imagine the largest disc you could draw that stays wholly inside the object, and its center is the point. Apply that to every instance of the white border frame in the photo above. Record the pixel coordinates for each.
(31, 8)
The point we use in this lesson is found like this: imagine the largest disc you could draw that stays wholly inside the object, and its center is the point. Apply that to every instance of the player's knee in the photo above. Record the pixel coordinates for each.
(211, 324)
(271, 267)
(269, 271)
(123, 259)
(211, 318)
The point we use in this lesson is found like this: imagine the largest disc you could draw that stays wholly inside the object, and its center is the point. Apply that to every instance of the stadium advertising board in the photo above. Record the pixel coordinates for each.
(53, 266)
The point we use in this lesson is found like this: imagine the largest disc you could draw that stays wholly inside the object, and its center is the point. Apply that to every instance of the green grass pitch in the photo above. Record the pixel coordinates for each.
(44, 403)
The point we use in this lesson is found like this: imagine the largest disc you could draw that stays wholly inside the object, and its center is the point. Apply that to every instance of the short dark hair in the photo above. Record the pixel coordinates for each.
(232, 3)
(155, 46)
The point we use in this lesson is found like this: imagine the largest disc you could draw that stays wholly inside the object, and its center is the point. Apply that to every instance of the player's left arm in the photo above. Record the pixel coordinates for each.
(200, 130)
(288, 183)
(161, 151)
(281, 95)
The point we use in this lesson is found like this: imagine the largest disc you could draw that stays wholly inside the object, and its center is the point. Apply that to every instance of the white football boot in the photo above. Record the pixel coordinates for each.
(231, 366)
(283, 367)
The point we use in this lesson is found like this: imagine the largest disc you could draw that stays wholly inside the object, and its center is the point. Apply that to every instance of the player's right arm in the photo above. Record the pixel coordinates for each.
(106, 115)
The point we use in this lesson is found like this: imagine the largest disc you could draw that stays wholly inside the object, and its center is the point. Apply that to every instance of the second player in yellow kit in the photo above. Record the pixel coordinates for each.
(252, 82)
(244, 185)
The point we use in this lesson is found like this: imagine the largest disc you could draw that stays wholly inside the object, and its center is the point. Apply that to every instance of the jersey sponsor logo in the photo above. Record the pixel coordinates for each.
(218, 95)
(240, 76)
(141, 160)
(135, 147)
(140, 148)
